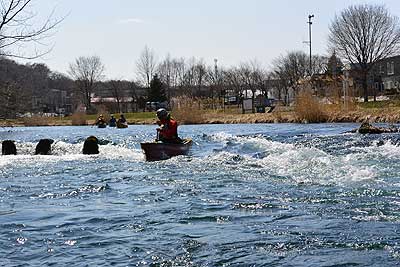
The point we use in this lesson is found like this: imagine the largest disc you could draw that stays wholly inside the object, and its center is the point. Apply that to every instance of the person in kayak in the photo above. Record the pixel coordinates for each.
(113, 121)
(100, 120)
(122, 119)
(168, 130)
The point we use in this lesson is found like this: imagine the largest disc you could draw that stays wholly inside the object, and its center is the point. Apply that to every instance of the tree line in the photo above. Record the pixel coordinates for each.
(361, 35)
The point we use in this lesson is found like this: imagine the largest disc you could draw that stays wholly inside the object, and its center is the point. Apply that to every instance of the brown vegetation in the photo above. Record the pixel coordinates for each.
(308, 108)
(36, 121)
(188, 110)
(78, 118)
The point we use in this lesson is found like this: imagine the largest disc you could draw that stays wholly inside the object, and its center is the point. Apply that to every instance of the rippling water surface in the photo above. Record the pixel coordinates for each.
(248, 195)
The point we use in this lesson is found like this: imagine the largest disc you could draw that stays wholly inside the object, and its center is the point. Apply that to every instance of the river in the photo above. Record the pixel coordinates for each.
(247, 195)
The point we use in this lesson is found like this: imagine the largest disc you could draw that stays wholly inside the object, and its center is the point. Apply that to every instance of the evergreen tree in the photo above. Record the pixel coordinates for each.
(157, 90)
(335, 65)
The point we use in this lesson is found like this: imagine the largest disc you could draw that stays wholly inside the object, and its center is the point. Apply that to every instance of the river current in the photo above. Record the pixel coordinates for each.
(247, 195)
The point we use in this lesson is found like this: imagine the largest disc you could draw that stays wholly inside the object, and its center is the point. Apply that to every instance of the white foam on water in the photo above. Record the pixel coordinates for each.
(305, 164)
(220, 137)
(387, 150)
(121, 152)
(62, 151)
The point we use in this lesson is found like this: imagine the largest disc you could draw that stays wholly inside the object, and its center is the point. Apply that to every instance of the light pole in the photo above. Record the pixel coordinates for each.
(309, 33)
(216, 68)
(345, 86)
(216, 78)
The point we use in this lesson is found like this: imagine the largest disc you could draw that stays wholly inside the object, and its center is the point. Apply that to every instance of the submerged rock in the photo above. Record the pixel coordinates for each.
(91, 146)
(8, 148)
(44, 147)
(367, 128)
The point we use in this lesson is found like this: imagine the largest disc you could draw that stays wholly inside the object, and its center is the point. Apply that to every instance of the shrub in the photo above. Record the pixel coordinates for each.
(308, 108)
(188, 110)
(78, 118)
(36, 121)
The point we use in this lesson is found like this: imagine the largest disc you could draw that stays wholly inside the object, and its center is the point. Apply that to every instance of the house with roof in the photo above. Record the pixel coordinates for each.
(385, 76)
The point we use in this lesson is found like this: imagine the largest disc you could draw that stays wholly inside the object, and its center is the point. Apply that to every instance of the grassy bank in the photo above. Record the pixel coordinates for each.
(303, 112)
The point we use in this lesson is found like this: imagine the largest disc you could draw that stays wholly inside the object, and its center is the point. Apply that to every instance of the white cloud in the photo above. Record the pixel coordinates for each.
(130, 20)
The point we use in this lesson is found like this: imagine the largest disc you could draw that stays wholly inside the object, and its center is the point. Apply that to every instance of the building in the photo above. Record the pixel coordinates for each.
(385, 76)
(57, 102)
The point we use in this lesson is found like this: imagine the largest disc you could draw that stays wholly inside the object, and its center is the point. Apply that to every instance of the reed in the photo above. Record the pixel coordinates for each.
(188, 110)
(308, 109)
(36, 121)
(78, 118)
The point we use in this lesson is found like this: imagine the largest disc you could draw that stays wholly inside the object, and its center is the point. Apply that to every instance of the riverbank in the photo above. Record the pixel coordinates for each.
(279, 115)
(289, 116)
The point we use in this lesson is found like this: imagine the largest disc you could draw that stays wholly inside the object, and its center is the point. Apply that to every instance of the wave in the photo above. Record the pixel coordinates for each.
(304, 162)
(62, 151)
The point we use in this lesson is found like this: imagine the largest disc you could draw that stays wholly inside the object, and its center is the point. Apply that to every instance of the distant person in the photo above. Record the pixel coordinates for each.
(122, 123)
(101, 121)
(168, 130)
(112, 122)
(122, 119)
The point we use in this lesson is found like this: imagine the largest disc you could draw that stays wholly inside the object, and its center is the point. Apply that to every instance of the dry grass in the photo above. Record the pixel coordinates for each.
(37, 121)
(187, 110)
(308, 109)
(78, 118)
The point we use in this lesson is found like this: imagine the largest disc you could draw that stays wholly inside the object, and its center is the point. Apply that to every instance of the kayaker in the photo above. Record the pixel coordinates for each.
(168, 130)
(122, 119)
(100, 120)
(113, 121)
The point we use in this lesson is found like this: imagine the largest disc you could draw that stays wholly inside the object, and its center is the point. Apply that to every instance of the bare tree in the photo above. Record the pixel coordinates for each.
(233, 82)
(194, 77)
(17, 30)
(118, 92)
(200, 74)
(290, 69)
(252, 77)
(319, 64)
(211, 78)
(146, 66)
(14, 99)
(164, 70)
(132, 92)
(363, 35)
(86, 71)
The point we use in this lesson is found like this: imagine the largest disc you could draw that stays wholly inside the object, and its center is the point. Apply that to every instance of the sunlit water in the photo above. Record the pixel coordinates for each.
(248, 195)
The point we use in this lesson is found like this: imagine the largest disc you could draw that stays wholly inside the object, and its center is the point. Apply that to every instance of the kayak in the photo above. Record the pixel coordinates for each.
(159, 150)
(102, 125)
(122, 125)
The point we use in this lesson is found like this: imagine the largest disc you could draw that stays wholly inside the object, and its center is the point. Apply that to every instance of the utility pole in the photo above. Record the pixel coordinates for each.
(216, 68)
(309, 33)
(216, 77)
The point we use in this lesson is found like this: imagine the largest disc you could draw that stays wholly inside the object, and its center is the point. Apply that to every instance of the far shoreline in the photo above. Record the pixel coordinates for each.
(379, 115)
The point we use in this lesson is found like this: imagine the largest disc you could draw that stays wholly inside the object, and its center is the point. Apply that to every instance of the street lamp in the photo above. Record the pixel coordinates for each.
(216, 68)
(309, 33)
(216, 77)
(346, 84)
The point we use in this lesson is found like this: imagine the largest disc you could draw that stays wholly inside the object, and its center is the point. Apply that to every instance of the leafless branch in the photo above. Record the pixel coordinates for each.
(17, 29)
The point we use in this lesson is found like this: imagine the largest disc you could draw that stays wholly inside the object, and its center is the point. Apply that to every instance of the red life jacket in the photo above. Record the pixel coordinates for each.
(169, 129)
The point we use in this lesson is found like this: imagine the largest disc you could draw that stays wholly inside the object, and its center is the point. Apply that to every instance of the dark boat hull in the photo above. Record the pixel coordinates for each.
(122, 125)
(160, 151)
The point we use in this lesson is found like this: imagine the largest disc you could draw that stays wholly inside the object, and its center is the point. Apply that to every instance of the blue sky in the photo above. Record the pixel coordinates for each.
(233, 31)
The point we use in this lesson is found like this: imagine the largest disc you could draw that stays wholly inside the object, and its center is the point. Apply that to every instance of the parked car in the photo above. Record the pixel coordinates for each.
(153, 106)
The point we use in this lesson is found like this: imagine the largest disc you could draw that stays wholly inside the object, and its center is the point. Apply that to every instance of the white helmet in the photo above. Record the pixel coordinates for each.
(162, 113)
